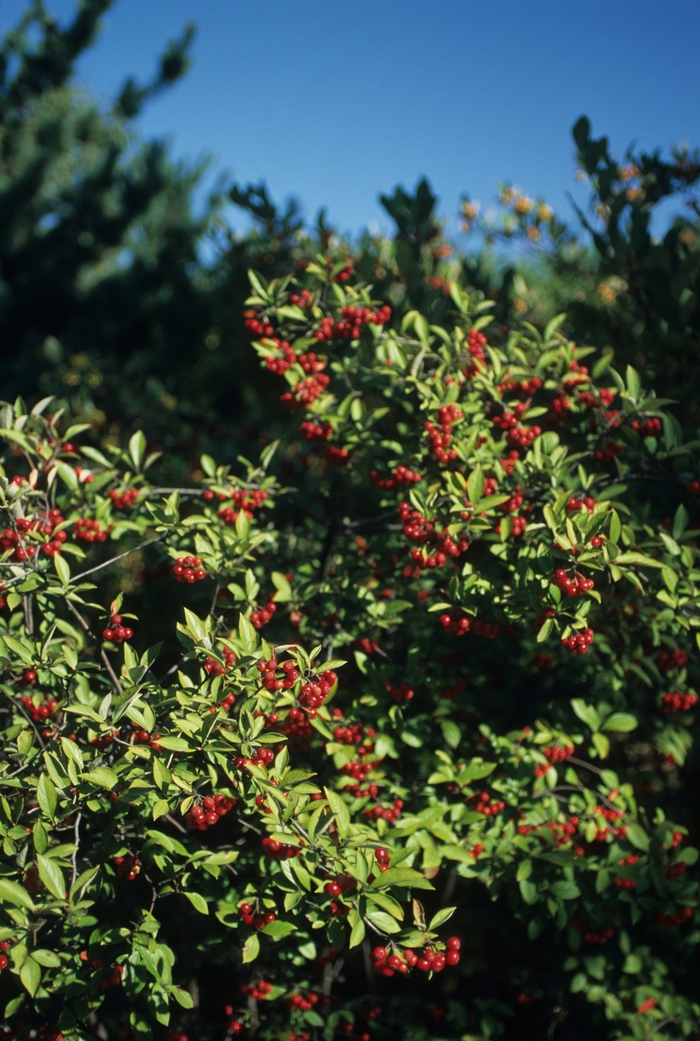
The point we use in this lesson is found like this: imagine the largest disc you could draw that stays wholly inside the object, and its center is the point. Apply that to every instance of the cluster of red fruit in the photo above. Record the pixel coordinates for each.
(678, 702)
(578, 643)
(124, 499)
(387, 813)
(315, 692)
(576, 586)
(402, 692)
(11, 539)
(263, 757)
(305, 392)
(670, 660)
(128, 866)
(523, 388)
(400, 477)
(43, 710)
(353, 734)
(215, 668)
(209, 811)
(89, 530)
(485, 806)
(647, 427)
(455, 623)
(599, 936)
(669, 921)
(269, 677)
(257, 991)
(349, 327)
(142, 737)
(573, 505)
(256, 325)
(262, 615)
(674, 871)
(387, 962)
(188, 569)
(113, 977)
(310, 430)
(302, 299)
(476, 342)
(281, 362)
(247, 500)
(302, 1004)
(556, 754)
(608, 452)
(258, 921)
(440, 437)
(277, 850)
(116, 632)
(339, 885)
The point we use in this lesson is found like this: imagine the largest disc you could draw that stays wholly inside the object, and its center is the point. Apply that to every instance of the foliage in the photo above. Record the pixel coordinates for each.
(460, 751)
(629, 277)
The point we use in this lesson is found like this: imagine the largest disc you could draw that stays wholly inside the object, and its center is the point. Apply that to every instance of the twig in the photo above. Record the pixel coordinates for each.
(76, 840)
(113, 560)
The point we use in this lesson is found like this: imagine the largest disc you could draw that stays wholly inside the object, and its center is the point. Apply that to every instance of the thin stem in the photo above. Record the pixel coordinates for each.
(103, 654)
(76, 840)
(113, 560)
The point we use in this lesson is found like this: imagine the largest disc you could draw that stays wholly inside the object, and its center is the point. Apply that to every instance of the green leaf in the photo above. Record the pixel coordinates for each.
(13, 893)
(586, 713)
(565, 890)
(102, 776)
(183, 997)
(638, 836)
(30, 975)
(441, 917)
(475, 485)
(46, 796)
(197, 901)
(339, 810)
(49, 959)
(401, 876)
(67, 475)
(137, 448)
(357, 933)
(62, 569)
(633, 964)
(601, 743)
(278, 930)
(621, 722)
(383, 921)
(451, 733)
(251, 949)
(52, 876)
(528, 891)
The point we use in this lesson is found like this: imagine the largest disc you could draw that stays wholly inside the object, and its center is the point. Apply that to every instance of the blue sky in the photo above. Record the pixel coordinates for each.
(333, 103)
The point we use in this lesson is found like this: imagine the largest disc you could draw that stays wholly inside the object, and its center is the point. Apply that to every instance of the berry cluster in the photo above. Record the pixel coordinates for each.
(439, 437)
(339, 885)
(44, 710)
(124, 499)
(215, 668)
(257, 326)
(128, 866)
(209, 812)
(670, 660)
(400, 477)
(339, 456)
(262, 615)
(674, 871)
(402, 692)
(387, 813)
(243, 499)
(298, 729)
(302, 1004)
(116, 632)
(647, 427)
(678, 702)
(89, 530)
(302, 299)
(351, 321)
(578, 643)
(598, 936)
(476, 342)
(11, 538)
(305, 392)
(488, 808)
(188, 569)
(312, 431)
(523, 388)
(576, 586)
(669, 921)
(455, 623)
(280, 362)
(263, 757)
(113, 977)
(257, 991)
(277, 850)
(574, 505)
(387, 962)
(269, 671)
(314, 693)
(258, 921)
(522, 436)
(381, 855)
(352, 735)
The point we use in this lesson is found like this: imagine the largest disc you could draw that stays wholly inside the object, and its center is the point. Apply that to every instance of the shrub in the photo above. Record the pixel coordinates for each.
(424, 710)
